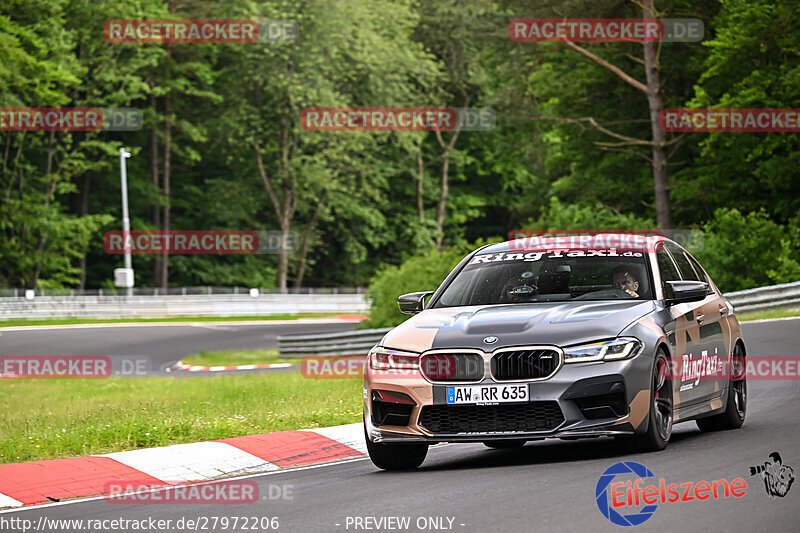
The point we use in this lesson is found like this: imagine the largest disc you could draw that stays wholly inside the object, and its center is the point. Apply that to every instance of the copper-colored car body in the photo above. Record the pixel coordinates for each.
(531, 356)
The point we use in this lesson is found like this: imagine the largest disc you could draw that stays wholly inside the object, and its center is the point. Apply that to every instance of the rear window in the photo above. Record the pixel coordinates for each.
(522, 277)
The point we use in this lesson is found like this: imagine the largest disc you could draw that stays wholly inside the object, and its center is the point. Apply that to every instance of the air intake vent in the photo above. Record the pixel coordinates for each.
(452, 419)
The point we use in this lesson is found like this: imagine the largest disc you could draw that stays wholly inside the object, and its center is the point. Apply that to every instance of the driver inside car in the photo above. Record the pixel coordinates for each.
(519, 286)
(622, 278)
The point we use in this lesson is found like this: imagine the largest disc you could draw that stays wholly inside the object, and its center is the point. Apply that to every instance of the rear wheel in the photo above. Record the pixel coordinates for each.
(396, 456)
(504, 444)
(736, 405)
(659, 426)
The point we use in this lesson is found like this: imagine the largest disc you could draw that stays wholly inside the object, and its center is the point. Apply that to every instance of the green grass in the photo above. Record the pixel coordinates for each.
(53, 418)
(237, 357)
(762, 315)
(68, 321)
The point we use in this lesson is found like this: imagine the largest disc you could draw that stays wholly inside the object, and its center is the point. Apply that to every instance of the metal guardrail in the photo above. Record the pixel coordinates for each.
(175, 305)
(359, 342)
(175, 291)
(786, 295)
(356, 342)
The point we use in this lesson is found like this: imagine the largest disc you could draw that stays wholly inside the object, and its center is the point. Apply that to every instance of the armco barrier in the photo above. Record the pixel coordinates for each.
(356, 342)
(219, 301)
(359, 342)
(786, 295)
(177, 305)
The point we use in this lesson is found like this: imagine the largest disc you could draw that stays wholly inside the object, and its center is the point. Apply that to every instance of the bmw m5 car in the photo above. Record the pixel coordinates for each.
(527, 342)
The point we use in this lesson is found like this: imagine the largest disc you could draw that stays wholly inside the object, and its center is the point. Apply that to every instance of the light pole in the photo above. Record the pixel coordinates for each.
(123, 277)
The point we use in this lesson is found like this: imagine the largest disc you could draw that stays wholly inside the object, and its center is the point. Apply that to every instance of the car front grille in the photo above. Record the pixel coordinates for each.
(446, 367)
(525, 364)
(450, 419)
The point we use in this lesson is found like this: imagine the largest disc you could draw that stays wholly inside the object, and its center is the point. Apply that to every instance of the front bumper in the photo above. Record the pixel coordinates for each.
(594, 399)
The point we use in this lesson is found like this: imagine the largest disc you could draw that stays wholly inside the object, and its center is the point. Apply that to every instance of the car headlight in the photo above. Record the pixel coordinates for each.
(619, 348)
(387, 359)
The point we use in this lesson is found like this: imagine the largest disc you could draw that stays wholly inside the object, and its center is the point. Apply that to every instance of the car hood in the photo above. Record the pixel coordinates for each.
(555, 323)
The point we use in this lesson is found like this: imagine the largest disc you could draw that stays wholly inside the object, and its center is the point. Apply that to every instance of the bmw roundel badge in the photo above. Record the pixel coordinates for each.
(490, 340)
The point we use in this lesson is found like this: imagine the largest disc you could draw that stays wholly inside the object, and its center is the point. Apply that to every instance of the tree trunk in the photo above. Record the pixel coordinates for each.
(156, 184)
(50, 191)
(167, 147)
(87, 181)
(444, 192)
(283, 211)
(289, 203)
(301, 268)
(660, 176)
(420, 182)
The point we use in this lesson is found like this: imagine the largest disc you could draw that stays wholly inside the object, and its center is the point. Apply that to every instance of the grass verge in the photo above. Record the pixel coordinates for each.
(48, 419)
(763, 315)
(237, 357)
(69, 321)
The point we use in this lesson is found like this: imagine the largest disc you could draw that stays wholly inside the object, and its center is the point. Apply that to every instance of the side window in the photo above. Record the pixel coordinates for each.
(668, 271)
(687, 272)
(699, 270)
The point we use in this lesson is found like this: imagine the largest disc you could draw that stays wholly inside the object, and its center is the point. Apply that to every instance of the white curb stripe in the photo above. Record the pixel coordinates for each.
(192, 462)
(180, 365)
(350, 435)
(8, 501)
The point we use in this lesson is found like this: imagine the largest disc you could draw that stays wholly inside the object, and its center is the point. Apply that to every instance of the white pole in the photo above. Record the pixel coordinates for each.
(126, 221)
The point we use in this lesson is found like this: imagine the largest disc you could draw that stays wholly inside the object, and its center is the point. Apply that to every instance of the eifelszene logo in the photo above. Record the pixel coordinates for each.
(614, 498)
(778, 477)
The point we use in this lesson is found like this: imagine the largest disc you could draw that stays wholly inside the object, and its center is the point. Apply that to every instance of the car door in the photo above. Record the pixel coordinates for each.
(703, 364)
(719, 308)
(682, 331)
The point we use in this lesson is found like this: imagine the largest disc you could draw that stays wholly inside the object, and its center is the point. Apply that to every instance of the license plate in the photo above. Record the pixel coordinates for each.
(487, 394)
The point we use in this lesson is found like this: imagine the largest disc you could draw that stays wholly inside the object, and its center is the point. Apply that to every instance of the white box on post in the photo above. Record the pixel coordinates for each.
(123, 277)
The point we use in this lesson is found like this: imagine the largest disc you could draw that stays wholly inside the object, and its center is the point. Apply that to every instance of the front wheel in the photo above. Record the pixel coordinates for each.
(396, 456)
(736, 406)
(659, 427)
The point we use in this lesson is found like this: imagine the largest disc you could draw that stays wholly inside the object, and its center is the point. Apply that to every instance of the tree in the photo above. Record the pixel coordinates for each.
(361, 57)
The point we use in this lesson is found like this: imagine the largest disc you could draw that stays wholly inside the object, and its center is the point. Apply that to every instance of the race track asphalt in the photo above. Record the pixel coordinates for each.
(544, 486)
(158, 345)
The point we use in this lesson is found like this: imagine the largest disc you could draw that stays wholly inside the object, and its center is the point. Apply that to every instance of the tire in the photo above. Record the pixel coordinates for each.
(660, 415)
(735, 406)
(396, 456)
(504, 444)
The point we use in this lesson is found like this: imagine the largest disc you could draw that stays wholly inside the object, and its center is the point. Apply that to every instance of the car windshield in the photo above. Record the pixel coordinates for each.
(521, 277)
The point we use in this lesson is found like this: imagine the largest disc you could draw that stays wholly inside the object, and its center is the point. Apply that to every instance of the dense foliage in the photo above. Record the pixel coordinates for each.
(222, 129)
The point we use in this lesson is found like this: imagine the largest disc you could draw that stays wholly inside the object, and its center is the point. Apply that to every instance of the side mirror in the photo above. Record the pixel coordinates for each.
(686, 291)
(413, 302)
